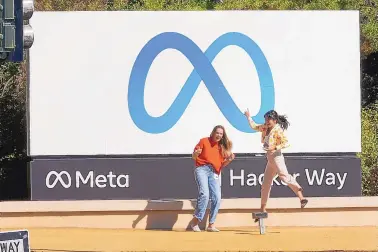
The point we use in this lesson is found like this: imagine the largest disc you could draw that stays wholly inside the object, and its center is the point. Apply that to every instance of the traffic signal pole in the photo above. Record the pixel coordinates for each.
(16, 34)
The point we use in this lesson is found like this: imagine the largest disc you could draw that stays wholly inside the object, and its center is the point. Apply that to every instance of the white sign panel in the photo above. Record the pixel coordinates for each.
(123, 83)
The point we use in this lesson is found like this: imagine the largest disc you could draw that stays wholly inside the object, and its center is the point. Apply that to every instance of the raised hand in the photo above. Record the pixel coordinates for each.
(247, 114)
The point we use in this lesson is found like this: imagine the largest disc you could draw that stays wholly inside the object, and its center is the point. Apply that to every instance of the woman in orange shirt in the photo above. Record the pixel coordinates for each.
(274, 140)
(211, 154)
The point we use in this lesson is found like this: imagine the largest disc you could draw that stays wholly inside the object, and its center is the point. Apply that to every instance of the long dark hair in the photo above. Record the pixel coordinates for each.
(225, 143)
(280, 119)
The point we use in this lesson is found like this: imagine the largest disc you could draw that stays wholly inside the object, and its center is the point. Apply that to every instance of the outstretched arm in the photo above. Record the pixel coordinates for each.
(252, 124)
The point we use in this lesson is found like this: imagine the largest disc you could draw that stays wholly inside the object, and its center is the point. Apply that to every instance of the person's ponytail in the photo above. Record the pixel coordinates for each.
(283, 122)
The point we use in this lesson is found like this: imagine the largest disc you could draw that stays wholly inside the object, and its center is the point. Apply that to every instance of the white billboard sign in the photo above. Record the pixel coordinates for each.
(118, 83)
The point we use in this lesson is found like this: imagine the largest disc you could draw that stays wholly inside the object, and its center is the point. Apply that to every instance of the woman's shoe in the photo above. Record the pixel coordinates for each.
(304, 203)
(212, 229)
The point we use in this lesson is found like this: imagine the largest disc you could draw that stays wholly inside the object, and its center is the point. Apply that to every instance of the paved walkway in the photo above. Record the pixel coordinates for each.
(233, 239)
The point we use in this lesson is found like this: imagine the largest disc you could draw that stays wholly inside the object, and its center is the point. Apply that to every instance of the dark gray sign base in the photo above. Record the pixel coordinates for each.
(173, 178)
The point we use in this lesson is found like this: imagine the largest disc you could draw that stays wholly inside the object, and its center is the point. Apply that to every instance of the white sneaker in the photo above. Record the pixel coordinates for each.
(212, 229)
(195, 228)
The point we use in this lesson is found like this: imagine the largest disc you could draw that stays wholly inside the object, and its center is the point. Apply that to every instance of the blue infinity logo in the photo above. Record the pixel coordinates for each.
(203, 70)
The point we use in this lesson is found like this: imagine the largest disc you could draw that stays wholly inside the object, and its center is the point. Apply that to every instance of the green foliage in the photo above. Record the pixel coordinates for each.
(12, 131)
(369, 83)
(71, 5)
(12, 110)
(166, 5)
(369, 154)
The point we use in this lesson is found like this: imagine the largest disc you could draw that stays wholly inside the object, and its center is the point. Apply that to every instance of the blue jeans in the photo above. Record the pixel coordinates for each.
(208, 188)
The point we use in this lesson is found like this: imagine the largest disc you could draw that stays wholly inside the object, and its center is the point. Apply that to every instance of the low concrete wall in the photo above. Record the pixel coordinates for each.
(168, 214)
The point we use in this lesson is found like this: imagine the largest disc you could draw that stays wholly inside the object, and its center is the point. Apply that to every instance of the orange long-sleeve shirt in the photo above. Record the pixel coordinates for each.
(211, 154)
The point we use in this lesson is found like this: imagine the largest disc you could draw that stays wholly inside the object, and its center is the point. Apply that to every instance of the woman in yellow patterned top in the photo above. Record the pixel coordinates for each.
(274, 140)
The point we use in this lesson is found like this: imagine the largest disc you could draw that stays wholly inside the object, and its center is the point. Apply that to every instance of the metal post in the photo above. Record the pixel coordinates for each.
(261, 225)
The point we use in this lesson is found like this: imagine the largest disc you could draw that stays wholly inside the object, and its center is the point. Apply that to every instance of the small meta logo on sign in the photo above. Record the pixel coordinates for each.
(64, 179)
(14, 241)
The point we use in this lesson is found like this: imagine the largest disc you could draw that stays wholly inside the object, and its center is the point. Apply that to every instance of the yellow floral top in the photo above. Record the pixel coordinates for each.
(276, 136)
